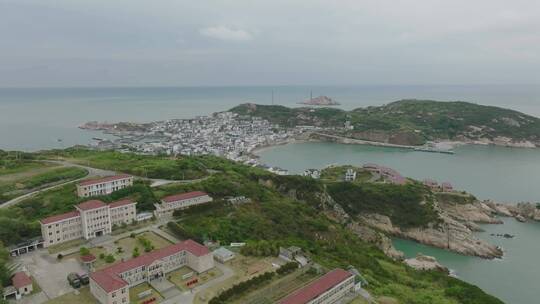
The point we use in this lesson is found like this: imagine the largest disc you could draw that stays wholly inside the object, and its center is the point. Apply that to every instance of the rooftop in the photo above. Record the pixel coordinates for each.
(109, 280)
(121, 203)
(92, 204)
(313, 290)
(183, 196)
(104, 179)
(60, 217)
(21, 279)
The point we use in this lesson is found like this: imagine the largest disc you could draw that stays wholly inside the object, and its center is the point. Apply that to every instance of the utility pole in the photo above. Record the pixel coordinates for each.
(272, 96)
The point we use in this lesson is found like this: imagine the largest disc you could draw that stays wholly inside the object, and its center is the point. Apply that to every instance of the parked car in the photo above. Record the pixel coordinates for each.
(84, 278)
(73, 280)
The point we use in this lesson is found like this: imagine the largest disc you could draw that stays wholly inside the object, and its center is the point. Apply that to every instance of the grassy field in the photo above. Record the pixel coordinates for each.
(181, 168)
(278, 288)
(135, 291)
(175, 277)
(17, 184)
(244, 268)
(85, 297)
(126, 252)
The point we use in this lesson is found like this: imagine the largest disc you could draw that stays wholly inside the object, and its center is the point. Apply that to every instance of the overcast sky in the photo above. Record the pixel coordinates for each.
(278, 42)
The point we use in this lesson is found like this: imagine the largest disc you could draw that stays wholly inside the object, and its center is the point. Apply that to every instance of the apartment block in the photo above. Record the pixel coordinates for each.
(180, 201)
(104, 186)
(111, 285)
(89, 219)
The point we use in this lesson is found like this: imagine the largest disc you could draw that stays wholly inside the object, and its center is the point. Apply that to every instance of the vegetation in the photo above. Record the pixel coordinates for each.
(182, 168)
(409, 121)
(5, 271)
(147, 244)
(31, 178)
(285, 211)
(241, 288)
(407, 205)
(84, 251)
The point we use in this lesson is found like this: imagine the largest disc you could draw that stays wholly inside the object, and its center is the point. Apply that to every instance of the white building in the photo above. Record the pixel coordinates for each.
(180, 201)
(313, 173)
(111, 285)
(350, 175)
(328, 289)
(90, 219)
(104, 186)
(223, 254)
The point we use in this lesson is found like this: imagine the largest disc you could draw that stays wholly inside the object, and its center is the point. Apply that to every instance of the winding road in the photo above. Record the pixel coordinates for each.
(92, 172)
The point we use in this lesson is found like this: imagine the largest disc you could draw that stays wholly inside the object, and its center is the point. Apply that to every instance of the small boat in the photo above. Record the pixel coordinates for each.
(98, 139)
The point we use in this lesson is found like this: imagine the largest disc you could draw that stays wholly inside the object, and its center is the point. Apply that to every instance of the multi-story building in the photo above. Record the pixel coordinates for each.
(328, 289)
(180, 201)
(350, 175)
(111, 285)
(104, 186)
(90, 219)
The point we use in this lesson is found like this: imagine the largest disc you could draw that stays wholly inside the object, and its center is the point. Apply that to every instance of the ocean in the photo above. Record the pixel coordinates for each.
(34, 119)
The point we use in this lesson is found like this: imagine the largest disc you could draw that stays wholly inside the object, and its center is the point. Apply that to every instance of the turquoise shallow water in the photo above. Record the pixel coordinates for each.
(502, 174)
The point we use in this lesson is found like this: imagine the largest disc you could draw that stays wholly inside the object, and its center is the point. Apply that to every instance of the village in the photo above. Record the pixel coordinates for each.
(224, 134)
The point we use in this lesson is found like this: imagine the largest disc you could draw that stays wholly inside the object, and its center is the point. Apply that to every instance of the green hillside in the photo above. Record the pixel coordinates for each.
(409, 121)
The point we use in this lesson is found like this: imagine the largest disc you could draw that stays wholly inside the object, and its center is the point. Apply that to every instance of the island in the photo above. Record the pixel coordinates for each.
(320, 101)
(408, 122)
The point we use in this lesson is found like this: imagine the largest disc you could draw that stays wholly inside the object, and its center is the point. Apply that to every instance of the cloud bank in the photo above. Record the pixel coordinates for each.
(226, 33)
(283, 42)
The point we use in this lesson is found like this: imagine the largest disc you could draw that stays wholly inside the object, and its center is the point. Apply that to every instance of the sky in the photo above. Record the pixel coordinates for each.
(46, 43)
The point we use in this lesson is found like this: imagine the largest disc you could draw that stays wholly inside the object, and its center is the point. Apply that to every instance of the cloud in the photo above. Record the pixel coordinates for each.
(222, 32)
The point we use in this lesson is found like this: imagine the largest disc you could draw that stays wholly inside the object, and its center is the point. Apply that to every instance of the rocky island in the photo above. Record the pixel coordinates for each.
(320, 101)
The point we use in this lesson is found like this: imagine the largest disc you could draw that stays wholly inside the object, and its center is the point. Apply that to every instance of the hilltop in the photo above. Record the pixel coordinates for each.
(411, 122)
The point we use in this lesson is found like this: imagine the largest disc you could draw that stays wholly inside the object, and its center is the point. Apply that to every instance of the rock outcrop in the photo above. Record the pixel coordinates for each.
(450, 235)
(425, 262)
(380, 240)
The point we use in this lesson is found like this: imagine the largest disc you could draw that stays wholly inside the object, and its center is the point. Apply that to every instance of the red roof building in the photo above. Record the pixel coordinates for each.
(21, 280)
(59, 217)
(337, 282)
(121, 203)
(104, 180)
(183, 196)
(154, 265)
(90, 205)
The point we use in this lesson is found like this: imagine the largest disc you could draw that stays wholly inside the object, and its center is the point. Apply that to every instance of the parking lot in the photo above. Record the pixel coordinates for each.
(50, 273)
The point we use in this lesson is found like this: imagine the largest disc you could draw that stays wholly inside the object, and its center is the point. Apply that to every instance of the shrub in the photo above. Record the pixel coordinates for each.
(84, 251)
(110, 259)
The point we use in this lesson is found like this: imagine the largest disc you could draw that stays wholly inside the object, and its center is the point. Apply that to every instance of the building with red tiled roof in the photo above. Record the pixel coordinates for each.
(90, 219)
(180, 201)
(328, 289)
(111, 285)
(104, 186)
(22, 282)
